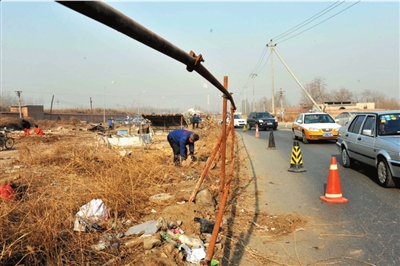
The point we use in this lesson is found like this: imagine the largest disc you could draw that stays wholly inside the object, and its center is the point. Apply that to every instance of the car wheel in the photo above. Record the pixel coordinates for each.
(294, 135)
(304, 139)
(275, 128)
(346, 160)
(385, 178)
(248, 126)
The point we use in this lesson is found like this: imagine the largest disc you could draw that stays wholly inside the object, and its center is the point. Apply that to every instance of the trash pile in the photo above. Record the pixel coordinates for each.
(151, 235)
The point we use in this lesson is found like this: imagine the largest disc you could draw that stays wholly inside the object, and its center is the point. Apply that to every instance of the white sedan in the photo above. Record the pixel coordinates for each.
(238, 121)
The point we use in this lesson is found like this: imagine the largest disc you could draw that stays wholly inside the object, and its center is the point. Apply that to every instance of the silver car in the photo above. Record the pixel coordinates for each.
(345, 117)
(373, 139)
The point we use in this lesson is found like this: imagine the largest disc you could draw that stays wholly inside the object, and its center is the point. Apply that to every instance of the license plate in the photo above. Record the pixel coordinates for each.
(269, 123)
(327, 135)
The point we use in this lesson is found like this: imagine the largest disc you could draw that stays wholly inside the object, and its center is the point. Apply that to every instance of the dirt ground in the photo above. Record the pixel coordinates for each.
(56, 174)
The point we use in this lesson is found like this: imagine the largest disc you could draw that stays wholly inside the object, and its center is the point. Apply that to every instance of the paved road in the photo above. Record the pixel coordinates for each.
(364, 231)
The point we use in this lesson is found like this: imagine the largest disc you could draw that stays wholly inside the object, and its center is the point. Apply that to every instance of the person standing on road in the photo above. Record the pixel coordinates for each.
(38, 131)
(178, 140)
(26, 126)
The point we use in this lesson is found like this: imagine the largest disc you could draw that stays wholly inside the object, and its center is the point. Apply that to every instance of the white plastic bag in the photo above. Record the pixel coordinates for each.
(94, 211)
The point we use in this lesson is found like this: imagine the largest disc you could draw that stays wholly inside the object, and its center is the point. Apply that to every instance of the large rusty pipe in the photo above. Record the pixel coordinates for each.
(114, 19)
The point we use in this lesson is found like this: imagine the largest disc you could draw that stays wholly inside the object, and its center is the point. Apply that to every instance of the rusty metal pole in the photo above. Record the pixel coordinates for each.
(209, 162)
(223, 144)
(222, 204)
(205, 171)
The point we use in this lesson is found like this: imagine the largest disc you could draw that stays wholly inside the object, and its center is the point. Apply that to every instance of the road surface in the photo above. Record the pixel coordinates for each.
(365, 231)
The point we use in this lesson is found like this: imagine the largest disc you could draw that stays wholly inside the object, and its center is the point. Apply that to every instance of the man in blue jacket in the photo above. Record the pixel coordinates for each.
(178, 140)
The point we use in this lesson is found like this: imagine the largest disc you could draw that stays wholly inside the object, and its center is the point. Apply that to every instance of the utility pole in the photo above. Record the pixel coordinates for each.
(245, 100)
(91, 111)
(51, 107)
(298, 82)
(281, 102)
(281, 98)
(252, 75)
(272, 46)
(19, 102)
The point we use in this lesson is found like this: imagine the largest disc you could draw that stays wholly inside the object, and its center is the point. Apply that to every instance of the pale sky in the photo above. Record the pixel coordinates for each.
(48, 49)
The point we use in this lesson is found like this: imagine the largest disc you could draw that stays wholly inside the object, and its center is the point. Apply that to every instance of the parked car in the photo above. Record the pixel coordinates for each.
(238, 121)
(345, 117)
(373, 139)
(315, 126)
(264, 120)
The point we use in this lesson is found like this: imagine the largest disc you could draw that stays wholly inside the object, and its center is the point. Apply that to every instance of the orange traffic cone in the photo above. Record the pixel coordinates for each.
(257, 135)
(333, 192)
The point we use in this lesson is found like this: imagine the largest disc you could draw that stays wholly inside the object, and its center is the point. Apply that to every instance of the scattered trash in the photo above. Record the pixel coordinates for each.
(89, 214)
(7, 192)
(149, 228)
(194, 255)
(168, 238)
(82, 225)
(166, 224)
(184, 239)
(205, 226)
(106, 241)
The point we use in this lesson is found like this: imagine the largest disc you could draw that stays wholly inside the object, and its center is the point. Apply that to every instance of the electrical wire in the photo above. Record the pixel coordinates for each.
(334, 5)
(320, 22)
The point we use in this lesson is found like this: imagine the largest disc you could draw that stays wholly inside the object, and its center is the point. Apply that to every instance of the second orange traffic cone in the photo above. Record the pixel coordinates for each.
(333, 192)
(257, 134)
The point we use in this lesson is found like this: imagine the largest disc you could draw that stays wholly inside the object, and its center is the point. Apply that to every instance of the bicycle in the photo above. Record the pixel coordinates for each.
(5, 140)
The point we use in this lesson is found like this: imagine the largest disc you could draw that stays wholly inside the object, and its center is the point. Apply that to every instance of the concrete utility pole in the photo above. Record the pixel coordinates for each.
(272, 49)
(298, 82)
(245, 100)
(253, 107)
(281, 98)
(51, 106)
(19, 102)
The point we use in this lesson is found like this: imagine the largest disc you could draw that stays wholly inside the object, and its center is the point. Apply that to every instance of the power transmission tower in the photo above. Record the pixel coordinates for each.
(19, 102)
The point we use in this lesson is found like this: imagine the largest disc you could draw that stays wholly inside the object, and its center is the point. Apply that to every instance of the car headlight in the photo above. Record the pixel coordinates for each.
(260, 121)
(313, 129)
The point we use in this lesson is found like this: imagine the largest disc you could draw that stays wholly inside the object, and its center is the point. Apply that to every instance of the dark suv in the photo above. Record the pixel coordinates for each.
(264, 120)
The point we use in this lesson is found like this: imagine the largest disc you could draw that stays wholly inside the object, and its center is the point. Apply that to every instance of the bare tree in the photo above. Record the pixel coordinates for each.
(7, 99)
(317, 91)
(371, 96)
(341, 95)
(389, 104)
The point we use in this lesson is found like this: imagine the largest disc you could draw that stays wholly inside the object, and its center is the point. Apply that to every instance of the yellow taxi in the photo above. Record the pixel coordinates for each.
(315, 126)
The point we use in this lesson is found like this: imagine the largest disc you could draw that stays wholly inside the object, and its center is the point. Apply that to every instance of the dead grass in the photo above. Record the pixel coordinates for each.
(57, 174)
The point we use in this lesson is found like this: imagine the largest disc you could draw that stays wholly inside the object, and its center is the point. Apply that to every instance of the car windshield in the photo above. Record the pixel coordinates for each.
(238, 117)
(318, 118)
(264, 115)
(389, 124)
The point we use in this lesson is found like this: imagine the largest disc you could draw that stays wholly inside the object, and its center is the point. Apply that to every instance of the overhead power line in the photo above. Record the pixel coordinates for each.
(329, 8)
(320, 22)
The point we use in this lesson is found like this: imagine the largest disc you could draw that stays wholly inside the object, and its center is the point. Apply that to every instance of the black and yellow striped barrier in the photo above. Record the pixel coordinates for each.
(296, 161)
